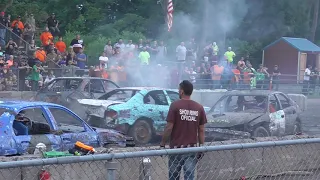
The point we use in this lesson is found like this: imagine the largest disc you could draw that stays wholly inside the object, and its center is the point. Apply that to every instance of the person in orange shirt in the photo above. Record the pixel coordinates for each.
(10, 61)
(217, 71)
(122, 75)
(46, 37)
(61, 46)
(40, 54)
(19, 22)
(236, 78)
(104, 73)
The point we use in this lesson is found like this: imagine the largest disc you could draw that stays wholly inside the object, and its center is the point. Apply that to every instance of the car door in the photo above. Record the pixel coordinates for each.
(289, 110)
(156, 107)
(51, 92)
(95, 88)
(73, 128)
(277, 116)
(40, 119)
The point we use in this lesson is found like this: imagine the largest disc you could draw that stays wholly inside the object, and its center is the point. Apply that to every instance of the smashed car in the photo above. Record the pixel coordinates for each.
(67, 90)
(25, 124)
(138, 111)
(257, 112)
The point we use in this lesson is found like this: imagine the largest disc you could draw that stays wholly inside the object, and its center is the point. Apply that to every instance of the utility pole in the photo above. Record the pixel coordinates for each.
(315, 20)
(204, 23)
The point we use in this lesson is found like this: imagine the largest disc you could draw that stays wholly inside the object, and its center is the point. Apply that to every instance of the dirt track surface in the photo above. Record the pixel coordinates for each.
(311, 118)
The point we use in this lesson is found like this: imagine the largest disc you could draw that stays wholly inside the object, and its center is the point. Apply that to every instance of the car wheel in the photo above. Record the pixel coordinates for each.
(141, 132)
(260, 132)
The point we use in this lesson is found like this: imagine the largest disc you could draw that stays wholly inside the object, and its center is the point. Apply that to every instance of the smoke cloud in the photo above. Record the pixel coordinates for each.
(207, 21)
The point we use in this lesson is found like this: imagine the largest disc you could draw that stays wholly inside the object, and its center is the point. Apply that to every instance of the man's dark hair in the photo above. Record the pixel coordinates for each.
(187, 87)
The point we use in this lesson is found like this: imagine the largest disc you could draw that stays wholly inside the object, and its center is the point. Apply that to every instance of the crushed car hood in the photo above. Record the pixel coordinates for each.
(230, 119)
(96, 102)
(96, 107)
(113, 137)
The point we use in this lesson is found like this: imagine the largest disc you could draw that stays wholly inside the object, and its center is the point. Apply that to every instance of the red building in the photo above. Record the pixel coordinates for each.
(292, 55)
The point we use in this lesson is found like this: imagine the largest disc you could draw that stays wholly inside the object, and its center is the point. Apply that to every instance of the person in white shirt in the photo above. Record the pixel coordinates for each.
(306, 80)
(103, 60)
(181, 51)
(120, 45)
(130, 46)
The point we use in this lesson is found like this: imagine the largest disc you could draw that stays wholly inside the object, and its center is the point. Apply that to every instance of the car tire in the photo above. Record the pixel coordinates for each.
(261, 132)
(141, 131)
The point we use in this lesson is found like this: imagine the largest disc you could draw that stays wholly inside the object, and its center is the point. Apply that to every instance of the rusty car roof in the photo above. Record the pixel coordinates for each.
(141, 88)
(84, 77)
(251, 92)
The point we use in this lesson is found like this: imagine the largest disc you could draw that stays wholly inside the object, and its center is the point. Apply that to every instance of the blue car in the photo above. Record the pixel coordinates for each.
(25, 124)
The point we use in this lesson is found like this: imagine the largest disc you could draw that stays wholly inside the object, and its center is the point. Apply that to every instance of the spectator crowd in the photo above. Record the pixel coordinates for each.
(26, 66)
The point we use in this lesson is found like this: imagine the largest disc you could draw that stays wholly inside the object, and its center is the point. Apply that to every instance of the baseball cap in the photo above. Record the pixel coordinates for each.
(77, 45)
(104, 59)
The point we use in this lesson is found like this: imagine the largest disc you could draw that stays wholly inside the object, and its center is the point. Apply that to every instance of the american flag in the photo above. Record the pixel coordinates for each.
(170, 14)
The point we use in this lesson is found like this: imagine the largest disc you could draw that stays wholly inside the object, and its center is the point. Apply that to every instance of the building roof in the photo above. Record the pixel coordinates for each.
(301, 44)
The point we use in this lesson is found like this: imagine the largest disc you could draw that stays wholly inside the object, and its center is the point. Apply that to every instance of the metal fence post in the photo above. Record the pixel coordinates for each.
(145, 169)
(111, 167)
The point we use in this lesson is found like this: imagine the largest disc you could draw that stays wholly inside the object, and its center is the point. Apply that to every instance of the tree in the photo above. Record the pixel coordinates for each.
(5, 4)
(315, 20)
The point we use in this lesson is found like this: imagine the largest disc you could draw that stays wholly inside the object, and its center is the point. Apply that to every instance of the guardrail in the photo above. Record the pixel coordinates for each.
(286, 159)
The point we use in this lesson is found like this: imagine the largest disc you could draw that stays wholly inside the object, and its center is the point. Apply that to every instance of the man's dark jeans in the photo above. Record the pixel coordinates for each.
(54, 31)
(34, 85)
(276, 83)
(186, 161)
(22, 85)
(305, 87)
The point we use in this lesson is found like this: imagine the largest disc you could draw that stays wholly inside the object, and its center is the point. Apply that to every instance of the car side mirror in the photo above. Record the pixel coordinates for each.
(94, 129)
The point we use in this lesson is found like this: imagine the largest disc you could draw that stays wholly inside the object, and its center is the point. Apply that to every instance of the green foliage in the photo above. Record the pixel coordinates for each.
(78, 25)
(243, 47)
(95, 42)
(250, 24)
(130, 22)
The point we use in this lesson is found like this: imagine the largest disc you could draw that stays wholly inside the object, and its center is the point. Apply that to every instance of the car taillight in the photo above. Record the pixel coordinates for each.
(110, 114)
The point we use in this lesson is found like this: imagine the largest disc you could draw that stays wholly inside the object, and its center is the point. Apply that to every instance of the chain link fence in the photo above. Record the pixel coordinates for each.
(18, 79)
(286, 159)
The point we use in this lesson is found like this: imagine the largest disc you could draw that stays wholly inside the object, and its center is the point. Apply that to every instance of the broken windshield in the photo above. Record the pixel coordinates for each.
(4, 110)
(240, 103)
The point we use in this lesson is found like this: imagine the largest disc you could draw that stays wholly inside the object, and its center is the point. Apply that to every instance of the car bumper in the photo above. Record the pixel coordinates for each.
(225, 134)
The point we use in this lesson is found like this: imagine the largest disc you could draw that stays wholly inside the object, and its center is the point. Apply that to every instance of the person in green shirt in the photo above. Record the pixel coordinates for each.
(252, 73)
(215, 48)
(229, 55)
(262, 76)
(144, 57)
(35, 76)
